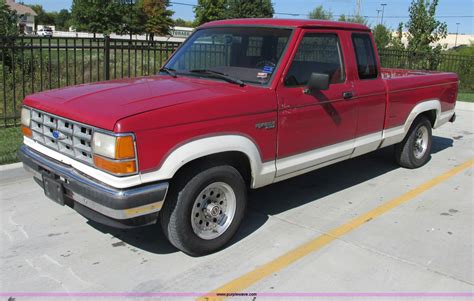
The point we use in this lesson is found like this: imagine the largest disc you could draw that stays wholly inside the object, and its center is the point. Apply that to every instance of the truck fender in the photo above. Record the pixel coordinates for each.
(397, 134)
(420, 108)
(262, 173)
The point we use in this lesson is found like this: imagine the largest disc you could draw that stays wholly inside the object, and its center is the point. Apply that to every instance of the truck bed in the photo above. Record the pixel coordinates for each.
(406, 88)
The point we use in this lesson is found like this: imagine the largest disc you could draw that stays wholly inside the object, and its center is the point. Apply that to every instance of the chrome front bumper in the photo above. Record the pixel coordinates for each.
(121, 208)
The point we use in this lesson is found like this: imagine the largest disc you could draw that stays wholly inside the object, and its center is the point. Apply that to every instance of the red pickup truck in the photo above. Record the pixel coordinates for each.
(241, 104)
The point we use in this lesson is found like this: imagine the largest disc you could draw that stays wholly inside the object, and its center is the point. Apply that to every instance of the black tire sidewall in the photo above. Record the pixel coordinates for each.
(415, 162)
(181, 233)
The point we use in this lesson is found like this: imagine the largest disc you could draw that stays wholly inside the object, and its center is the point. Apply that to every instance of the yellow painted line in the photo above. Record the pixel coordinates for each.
(247, 280)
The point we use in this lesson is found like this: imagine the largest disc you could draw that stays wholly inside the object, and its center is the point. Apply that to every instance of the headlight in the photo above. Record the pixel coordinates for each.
(114, 154)
(104, 145)
(25, 117)
(26, 122)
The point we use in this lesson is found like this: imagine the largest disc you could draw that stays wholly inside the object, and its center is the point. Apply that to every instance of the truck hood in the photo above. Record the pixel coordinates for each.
(102, 104)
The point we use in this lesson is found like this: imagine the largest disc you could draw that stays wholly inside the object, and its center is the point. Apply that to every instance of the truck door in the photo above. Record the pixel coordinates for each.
(369, 92)
(316, 127)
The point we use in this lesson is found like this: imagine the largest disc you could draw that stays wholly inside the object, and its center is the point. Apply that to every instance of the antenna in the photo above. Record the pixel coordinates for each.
(358, 7)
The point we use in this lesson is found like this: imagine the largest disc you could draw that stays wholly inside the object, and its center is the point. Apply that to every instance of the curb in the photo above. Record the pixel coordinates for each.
(11, 166)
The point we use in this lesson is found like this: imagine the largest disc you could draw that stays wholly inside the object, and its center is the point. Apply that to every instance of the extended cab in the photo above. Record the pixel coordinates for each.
(241, 104)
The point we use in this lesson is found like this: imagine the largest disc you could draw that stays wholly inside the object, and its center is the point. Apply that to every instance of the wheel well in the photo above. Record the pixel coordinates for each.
(431, 115)
(236, 159)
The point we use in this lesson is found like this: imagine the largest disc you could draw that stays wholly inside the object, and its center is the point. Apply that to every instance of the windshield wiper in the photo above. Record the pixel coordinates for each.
(220, 75)
(169, 71)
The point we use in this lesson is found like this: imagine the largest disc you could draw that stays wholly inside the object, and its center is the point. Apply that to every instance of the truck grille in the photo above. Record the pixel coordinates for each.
(65, 136)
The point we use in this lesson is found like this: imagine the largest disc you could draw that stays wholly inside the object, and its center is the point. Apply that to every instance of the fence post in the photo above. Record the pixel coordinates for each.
(106, 57)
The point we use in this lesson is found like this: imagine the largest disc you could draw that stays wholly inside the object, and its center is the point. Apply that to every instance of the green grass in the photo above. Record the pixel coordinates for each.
(466, 96)
(10, 141)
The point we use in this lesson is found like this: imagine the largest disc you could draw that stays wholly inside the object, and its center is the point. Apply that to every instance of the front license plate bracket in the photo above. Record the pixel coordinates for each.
(53, 189)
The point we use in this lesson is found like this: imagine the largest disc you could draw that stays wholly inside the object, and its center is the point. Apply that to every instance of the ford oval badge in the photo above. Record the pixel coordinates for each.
(57, 135)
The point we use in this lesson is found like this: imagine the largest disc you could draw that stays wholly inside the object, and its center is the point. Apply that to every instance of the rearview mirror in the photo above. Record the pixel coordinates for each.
(317, 82)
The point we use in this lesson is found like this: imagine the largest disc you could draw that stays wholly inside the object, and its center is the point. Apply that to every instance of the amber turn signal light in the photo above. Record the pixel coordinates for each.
(115, 167)
(124, 147)
(26, 131)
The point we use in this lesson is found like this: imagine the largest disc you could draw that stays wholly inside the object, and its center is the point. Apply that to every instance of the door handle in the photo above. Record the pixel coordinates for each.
(347, 95)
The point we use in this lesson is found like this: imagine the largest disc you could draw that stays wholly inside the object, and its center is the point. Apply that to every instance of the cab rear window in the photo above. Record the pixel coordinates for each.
(364, 51)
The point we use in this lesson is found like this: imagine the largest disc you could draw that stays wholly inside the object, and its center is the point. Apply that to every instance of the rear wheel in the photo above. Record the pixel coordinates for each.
(414, 151)
(204, 210)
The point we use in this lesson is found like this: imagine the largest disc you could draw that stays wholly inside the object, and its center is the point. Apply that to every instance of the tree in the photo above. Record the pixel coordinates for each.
(103, 16)
(382, 36)
(43, 17)
(62, 20)
(354, 19)
(8, 20)
(249, 9)
(358, 19)
(423, 32)
(397, 43)
(8, 31)
(423, 28)
(183, 23)
(133, 18)
(319, 13)
(158, 17)
(210, 10)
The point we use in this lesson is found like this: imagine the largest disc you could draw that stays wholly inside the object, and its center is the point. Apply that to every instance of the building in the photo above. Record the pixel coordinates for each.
(452, 40)
(26, 16)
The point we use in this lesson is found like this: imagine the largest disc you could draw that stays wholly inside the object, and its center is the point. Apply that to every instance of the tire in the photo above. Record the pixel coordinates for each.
(415, 150)
(204, 210)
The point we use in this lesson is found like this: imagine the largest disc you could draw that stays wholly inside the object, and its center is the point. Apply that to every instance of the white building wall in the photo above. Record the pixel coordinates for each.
(449, 41)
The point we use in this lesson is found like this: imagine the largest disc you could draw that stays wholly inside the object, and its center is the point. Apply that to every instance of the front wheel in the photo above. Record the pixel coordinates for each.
(204, 210)
(414, 151)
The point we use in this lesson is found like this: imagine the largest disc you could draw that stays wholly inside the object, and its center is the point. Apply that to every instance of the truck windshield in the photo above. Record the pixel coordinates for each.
(242, 54)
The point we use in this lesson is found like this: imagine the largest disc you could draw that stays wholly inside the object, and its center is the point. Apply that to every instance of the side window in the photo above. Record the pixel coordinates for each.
(317, 53)
(364, 51)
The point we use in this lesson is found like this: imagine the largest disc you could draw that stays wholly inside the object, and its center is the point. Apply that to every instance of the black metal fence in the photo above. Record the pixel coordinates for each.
(32, 64)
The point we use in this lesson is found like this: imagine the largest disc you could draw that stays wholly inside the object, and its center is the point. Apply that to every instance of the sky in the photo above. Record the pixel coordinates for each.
(396, 11)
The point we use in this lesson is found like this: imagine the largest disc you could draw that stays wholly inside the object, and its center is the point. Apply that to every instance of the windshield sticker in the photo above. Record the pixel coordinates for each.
(262, 75)
(268, 69)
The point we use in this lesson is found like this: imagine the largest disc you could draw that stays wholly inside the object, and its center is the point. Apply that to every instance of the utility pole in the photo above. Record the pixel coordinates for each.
(457, 32)
(358, 7)
(383, 10)
(378, 13)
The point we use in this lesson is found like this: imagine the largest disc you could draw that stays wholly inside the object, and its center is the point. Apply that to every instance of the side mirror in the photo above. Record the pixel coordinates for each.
(317, 82)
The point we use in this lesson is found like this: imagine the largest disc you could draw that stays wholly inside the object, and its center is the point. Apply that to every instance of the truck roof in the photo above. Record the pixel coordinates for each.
(287, 23)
